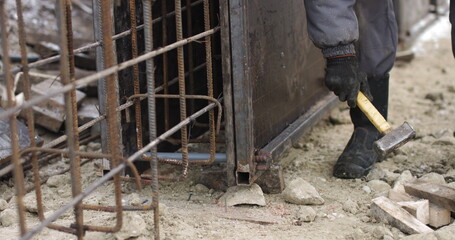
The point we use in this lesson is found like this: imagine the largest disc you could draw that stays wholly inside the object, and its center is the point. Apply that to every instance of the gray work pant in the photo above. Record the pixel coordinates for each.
(378, 36)
(376, 48)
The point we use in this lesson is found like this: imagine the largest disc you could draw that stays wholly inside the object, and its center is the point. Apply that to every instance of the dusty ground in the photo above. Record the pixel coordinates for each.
(422, 92)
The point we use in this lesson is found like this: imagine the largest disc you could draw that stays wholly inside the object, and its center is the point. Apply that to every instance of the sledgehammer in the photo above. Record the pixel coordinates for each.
(392, 138)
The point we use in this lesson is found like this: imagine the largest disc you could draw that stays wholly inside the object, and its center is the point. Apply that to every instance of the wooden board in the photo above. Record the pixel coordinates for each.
(437, 194)
(419, 209)
(383, 209)
(438, 216)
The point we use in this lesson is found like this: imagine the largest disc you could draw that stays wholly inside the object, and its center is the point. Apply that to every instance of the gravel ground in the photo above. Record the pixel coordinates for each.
(422, 92)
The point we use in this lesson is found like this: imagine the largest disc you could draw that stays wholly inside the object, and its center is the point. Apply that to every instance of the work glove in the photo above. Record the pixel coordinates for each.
(343, 77)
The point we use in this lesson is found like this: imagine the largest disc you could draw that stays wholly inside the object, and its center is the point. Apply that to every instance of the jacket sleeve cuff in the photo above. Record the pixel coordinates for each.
(339, 50)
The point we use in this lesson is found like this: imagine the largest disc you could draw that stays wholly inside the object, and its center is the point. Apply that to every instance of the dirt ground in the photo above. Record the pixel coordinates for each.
(422, 92)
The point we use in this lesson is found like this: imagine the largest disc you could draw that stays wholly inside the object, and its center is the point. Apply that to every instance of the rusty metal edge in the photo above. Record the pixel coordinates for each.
(242, 91)
(227, 92)
(298, 128)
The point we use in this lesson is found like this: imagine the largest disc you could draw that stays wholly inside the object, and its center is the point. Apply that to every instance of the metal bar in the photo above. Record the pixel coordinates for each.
(61, 139)
(210, 99)
(108, 71)
(209, 83)
(89, 155)
(87, 125)
(67, 76)
(136, 89)
(97, 43)
(29, 112)
(151, 111)
(227, 92)
(18, 174)
(111, 113)
(181, 74)
(219, 157)
(189, 26)
(208, 59)
(113, 208)
(242, 86)
(75, 161)
(99, 67)
(91, 188)
(165, 65)
(293, 133)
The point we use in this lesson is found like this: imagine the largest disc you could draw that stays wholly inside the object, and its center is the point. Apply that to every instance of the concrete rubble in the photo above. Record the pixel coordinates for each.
(238, 195)
(306, 214)
(299, 191)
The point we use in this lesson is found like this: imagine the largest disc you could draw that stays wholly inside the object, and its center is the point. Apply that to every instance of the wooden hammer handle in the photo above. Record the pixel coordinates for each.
(373, 114)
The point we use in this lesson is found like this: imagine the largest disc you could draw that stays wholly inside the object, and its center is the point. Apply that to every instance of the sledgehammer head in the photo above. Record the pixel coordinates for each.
(394, 139)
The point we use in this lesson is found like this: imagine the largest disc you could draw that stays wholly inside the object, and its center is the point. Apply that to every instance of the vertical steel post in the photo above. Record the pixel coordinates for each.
(148, 29)
(67, 76)
(165, 63)
(112, 104)
(182, 91)
(209, 66)
(136, 87)
(189, 26)
(101, 82)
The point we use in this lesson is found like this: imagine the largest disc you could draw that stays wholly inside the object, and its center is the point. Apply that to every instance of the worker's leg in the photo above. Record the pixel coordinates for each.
(376, 50)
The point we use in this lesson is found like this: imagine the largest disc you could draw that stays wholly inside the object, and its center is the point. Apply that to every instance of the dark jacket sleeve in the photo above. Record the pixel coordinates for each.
(332, 25)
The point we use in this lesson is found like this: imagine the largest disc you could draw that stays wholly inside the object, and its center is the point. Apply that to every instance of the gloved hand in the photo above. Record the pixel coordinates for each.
(343, 77)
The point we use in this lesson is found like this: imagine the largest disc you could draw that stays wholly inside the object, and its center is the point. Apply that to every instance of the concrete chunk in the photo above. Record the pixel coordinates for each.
(301, 192)
(243, 194)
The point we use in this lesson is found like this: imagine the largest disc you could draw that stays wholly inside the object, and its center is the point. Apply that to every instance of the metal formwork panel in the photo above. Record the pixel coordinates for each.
(277, 76)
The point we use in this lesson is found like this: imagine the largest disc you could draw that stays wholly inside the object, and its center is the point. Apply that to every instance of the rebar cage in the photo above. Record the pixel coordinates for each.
(156, 64)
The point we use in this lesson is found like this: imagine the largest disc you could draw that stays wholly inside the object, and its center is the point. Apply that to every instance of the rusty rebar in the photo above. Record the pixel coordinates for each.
(67, 76)
(136, 88)
(212, 140)
(114, 171)
(208, 59)
(65, 170)
(88, 155)
(99, 51)
(97, 43)
(29, 112)
(181, 74)
(111, 70)
(165, 65)
(201, 97)
(113, 208)
(18, 174)
(111, 113)
(189, 26)
(148, 30)
(91, 123)
(111, 117)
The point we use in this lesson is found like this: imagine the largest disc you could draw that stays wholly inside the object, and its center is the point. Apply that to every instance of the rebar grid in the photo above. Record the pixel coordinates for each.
(112, 109)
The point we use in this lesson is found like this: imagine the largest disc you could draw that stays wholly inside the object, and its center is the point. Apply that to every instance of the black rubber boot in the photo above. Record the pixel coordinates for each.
(359, 157)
